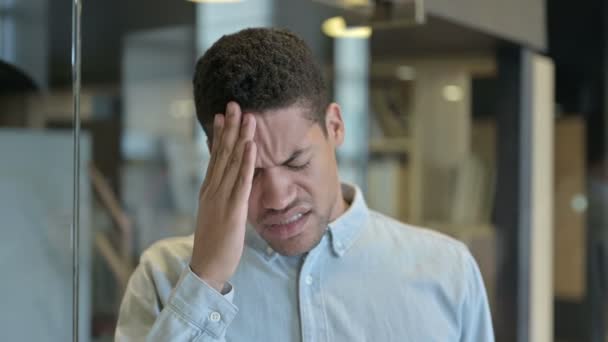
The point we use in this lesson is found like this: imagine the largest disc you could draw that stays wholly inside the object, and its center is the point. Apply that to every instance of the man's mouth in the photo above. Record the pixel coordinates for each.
(292, 219)
(287, 227)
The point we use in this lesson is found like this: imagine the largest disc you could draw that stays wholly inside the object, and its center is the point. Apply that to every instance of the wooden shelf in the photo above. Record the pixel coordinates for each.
(390, 145)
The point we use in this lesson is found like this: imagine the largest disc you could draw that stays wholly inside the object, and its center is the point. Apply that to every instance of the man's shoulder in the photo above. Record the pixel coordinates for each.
(422, 253)
(417, 246)
(407, 235)
(168, 253)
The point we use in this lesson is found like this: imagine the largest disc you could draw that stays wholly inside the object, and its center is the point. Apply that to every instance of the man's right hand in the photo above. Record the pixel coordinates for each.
(223, 199)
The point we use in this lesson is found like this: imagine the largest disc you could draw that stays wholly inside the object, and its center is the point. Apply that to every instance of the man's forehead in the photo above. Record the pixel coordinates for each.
(281, 134)
(300, 108)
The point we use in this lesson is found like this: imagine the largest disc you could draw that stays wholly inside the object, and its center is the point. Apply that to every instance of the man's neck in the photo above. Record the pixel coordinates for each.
(341, 205)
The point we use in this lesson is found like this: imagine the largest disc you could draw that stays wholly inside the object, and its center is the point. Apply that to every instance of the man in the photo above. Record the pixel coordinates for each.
(313, 263)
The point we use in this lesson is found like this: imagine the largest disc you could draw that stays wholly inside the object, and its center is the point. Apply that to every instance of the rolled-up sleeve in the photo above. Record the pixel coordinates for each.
(194, 311)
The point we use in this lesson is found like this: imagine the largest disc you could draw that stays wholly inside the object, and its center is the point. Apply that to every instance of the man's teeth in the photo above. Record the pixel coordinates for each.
(292, 219)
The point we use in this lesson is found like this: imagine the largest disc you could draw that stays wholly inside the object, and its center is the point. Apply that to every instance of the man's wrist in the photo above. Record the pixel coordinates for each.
(219, 286)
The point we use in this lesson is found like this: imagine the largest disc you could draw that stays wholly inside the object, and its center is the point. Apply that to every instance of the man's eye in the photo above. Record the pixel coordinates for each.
(298, 167)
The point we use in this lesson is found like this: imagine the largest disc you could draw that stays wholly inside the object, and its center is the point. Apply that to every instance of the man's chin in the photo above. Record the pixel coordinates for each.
(298, 244)
(308, 237)
(290, 249)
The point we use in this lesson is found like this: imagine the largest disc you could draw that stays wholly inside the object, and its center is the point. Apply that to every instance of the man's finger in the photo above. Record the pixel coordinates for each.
(242, 189)
(232, 169)
(230, 133)
(218, 124)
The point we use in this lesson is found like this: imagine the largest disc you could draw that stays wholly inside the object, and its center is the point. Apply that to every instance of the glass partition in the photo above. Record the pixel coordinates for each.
(37, 177)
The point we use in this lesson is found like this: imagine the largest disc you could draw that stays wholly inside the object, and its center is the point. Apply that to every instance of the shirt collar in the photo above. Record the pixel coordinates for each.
(343, 231)
(347, 227)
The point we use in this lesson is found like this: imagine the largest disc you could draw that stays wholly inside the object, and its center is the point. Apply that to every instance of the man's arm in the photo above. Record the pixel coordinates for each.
(194, 311)
(476, 318)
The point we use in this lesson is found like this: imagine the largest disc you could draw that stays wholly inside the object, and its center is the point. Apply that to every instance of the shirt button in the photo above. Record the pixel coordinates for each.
(215, 316)
(269, 250)
(308, 280)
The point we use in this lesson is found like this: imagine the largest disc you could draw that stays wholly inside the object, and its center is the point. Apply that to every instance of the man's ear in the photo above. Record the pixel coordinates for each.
(334, 125)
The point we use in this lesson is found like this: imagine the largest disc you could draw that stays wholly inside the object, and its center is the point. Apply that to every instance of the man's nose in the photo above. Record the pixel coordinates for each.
(277, 191)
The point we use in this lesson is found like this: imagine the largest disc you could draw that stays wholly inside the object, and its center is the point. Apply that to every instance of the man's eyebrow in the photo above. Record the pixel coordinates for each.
(295, 155)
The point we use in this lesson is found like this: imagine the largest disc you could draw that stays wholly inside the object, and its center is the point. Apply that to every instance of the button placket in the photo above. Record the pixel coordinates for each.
(309, 286)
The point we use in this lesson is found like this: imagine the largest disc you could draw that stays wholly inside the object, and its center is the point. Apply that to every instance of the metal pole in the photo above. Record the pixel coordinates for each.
(76, 75)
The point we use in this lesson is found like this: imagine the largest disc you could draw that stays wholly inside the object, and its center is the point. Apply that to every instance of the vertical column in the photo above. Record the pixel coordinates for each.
(536, 199)
(351, 89)
(524, 196)
(214, 20)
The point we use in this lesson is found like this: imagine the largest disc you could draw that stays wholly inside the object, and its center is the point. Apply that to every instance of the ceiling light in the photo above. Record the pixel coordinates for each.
(336, 28)
(453, 93)
(355, 2)
(380, 13)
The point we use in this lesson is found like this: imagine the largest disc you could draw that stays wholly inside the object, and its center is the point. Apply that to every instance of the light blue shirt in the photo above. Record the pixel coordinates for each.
(371, 278)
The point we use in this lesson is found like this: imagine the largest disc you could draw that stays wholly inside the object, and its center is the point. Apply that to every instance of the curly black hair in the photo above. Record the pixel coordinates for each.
(261, 69)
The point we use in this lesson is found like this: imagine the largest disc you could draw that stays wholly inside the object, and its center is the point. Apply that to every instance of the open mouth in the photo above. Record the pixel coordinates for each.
(288, 227)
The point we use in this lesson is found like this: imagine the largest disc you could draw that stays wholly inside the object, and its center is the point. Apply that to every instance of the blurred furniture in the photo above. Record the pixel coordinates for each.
(422, 116)
(114, 246)
(570, 250)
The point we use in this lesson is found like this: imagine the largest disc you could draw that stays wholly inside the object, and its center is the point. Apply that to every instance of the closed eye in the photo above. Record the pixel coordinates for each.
(299, 167)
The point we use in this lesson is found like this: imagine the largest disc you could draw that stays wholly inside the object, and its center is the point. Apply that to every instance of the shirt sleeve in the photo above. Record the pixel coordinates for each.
(194, 311)
(476, 317)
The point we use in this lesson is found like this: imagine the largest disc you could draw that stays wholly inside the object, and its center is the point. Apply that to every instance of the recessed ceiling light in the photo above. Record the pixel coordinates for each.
(336, 28)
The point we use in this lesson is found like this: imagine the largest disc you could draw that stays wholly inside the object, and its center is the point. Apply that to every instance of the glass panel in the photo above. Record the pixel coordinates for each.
(36, 176)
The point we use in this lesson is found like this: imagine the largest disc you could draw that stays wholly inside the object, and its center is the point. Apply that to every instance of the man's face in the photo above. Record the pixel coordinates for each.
(296, 190)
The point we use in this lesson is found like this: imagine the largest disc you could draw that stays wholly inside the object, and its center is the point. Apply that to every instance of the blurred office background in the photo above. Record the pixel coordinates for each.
(483, 119)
